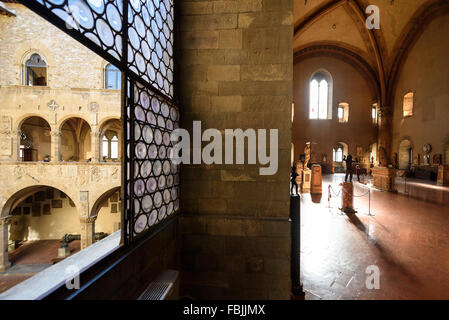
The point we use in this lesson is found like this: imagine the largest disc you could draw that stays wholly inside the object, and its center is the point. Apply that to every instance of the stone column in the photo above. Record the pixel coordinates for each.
(385, 133)
(87, 231)
(55, 145)
(4, 236)
(95, 144)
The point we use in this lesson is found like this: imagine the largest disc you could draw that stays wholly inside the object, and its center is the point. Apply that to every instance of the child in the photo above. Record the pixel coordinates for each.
(358, 172)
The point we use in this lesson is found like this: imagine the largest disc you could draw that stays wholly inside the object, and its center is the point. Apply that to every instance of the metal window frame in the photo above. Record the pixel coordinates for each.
(128, 80)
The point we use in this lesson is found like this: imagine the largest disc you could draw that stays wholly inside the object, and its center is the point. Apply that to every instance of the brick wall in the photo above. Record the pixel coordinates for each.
(235, 71)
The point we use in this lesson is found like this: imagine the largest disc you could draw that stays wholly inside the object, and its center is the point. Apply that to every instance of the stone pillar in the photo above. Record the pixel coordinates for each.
(4, 261)
(347, 195)
(385, 135)
(95, 144)
(87, 231)
(55, 145)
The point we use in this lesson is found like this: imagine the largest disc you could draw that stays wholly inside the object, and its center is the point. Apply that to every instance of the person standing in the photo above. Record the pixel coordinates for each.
(294, 184)
(349, 168)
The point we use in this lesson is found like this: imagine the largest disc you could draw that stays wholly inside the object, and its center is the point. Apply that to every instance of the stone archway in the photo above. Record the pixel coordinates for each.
(34, 141)
(106, 211)
(33, 213)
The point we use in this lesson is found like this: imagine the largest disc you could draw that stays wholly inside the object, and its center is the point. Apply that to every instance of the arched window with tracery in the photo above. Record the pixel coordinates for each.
(338, 154)
(320, 96)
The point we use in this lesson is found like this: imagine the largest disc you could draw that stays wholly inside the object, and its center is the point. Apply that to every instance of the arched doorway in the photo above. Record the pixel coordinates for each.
(339, 151)
(35, 140)
(405, 156)
(75, 140)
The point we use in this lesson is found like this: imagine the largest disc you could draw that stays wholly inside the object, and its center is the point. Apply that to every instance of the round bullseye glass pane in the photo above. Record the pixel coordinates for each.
(147, 204)
(145, 169)
(113, 17)
(140, 223)
(147, 134)
(151, 185)
(141, 150)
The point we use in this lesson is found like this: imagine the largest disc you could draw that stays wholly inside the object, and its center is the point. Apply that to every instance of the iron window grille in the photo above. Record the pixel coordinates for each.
(150, 181)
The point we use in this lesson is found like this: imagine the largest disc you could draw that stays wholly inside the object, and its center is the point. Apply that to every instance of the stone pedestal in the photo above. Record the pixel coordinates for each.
(306, 180)
(317, 181)
(347, 196)
(443, 175)
(383, 178)
(63, 252)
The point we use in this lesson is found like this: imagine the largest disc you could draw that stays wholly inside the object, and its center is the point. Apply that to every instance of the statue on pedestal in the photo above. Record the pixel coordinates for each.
(307, 152)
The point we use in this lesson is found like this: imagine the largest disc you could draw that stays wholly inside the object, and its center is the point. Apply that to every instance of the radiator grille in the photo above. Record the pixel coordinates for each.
(156, 291)
(161, 288)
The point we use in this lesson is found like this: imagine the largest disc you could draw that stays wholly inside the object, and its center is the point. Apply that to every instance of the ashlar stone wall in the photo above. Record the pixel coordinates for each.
(235, 71)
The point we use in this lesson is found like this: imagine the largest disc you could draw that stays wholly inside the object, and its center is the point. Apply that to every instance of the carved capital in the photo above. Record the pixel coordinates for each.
(55, 133)
(5, 220)
(88, 220)
(95, 133)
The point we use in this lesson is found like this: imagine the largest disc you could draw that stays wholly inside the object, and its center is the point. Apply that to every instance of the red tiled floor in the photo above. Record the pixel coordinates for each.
(408, 239)
(39, 252)
(35, 255)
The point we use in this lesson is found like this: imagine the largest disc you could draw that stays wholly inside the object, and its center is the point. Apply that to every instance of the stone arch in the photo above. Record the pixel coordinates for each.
(100, 200)
(346, 53)
(64, 119)
(15, 196)
(21, 119)
(109, 127)
(79, 131)
(102, 123)
(410, 34)
(33, 132)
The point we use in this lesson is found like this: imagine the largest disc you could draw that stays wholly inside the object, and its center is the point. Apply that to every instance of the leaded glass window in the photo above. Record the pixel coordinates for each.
(136, 36)
(320, 96)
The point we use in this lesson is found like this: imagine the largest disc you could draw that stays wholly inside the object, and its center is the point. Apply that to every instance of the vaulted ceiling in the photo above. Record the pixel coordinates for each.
(337, 28)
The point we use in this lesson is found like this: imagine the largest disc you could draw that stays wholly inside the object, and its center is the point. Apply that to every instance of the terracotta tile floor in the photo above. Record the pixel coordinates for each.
(407, 238)
(30, 258)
